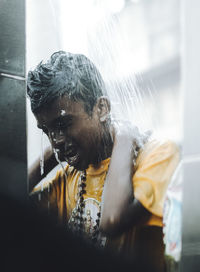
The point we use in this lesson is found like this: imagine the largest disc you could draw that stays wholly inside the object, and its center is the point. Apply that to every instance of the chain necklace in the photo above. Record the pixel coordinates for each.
(82, 224)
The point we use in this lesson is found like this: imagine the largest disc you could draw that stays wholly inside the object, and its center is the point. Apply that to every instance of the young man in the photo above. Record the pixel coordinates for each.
(113, 187)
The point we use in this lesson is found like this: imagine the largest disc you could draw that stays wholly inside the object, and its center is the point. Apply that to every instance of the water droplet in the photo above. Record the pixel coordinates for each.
(62, 112)
(39, 196)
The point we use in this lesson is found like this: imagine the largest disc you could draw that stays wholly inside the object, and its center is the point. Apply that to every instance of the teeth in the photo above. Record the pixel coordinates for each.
(70, 152)
(72, 160)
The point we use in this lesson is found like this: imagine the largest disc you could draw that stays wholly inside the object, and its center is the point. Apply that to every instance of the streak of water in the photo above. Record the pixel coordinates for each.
(109, 49)
(42, 155)
(64, 172)
(39, 196)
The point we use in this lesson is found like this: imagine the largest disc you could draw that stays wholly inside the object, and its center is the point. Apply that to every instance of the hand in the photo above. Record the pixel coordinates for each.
(128, 139)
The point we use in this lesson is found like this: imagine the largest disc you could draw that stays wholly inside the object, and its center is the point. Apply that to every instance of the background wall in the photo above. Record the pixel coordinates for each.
(191, 146)
(13, 156)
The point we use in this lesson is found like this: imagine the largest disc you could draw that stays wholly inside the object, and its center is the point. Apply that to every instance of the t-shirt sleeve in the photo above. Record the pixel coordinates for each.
(155, 166)
(45, 194)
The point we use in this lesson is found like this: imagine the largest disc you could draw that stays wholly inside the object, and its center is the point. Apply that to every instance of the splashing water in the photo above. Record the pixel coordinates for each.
(109, 48)
(109, 44)
(64, 172)
(42, 155)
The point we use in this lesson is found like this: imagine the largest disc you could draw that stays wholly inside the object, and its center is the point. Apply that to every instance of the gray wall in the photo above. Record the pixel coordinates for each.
(191, 146)
(13, 158)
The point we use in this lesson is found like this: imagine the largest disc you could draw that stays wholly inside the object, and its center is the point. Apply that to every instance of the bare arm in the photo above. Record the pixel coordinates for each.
(119, 208)
(34, 171)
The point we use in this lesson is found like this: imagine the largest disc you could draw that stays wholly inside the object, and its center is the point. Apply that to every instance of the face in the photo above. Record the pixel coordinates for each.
(76, 135)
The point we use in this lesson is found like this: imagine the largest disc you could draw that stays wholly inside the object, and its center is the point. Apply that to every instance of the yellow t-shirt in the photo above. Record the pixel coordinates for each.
(155, 165)
(154, 168)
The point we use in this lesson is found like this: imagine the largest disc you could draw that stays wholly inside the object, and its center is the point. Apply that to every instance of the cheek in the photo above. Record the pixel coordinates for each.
(84, 136)
(85, 132)
(92, 137)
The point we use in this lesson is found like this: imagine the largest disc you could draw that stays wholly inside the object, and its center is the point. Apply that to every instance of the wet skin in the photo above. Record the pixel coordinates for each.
(80, 138)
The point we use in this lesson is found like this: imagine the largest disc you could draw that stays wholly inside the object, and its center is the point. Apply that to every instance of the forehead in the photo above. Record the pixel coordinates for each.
(61, 106)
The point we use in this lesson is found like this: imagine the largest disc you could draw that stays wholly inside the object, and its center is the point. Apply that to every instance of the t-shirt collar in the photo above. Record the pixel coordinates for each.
(98, 169)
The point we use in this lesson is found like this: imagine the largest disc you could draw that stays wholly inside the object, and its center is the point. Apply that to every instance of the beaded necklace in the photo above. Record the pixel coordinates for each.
(81, 224)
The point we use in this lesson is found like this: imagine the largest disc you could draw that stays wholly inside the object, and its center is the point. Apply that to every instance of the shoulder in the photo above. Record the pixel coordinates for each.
(155, 166)
(54, 179)
(156, 152)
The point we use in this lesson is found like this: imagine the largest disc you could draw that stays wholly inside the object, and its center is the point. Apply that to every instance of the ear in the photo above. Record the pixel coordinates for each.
(103, 108)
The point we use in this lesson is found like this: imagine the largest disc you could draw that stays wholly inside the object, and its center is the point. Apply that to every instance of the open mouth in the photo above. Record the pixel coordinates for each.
(72, 155)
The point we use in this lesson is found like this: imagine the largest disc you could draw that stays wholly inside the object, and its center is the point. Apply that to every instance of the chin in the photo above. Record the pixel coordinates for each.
(80, 166)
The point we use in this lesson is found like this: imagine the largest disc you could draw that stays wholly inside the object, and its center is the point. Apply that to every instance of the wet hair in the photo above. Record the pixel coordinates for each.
(68, 74)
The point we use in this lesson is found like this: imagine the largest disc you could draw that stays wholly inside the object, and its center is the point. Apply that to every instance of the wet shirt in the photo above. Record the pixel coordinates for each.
(154, 168)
